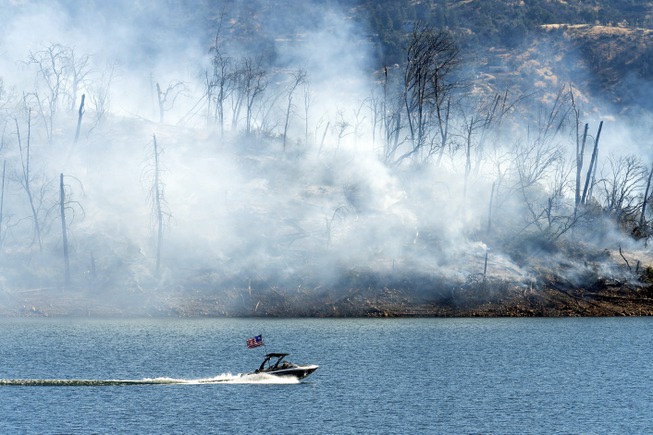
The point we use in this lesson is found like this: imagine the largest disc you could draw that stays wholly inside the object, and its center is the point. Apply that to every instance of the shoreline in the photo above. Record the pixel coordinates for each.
(608, 300)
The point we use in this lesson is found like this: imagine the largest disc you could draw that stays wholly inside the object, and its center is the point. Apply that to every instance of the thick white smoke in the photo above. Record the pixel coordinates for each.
(313, 208)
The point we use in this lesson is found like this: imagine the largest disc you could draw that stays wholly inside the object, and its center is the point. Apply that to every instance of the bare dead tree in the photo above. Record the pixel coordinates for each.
(469, 133)
(591, 170)
(558, 217)
(100, 95)
(341, 212)
(540, 208)
(80, 113)
(546, 206)
(78, 69)
(324, 132)
(431, 57)
(220, 83)
(647, 191)
(167, 98)
(249, 81)
(554, 118)
(542, 174)
(384, 107)
(621, 183)
(237, 97)
(64, 231)
(536, 156)
(392, 117)
(580, 141)
(491, 115)
(255, 82)
(308, 99)
(375, 105)
(534, 161)
(296, 78)
(443, 126)
(63, 73)
(340, 127)
(46, 117)
(157, 198)
(358, 119)
(392, 109)
(26, 177)
(580, 152)
(51, 65)
(66, 206)
(266, 114)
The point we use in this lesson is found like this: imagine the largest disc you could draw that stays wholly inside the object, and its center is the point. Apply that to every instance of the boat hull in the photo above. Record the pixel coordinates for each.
(299, 372)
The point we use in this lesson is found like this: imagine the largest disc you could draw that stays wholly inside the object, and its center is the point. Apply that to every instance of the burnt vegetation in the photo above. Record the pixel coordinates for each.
(473, 173)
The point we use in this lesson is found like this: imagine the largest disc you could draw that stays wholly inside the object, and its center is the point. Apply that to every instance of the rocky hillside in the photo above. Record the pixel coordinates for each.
(607, 64)
(618, 59)
(281, 170)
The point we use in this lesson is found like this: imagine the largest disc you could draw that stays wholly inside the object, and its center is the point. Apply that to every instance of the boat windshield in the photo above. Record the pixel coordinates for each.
(272, 361)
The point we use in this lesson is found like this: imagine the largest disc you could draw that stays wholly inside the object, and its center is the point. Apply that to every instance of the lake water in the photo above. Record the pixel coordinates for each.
(375, 376)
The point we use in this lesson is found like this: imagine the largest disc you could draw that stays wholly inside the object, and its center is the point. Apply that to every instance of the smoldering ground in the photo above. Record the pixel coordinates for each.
(291, 194)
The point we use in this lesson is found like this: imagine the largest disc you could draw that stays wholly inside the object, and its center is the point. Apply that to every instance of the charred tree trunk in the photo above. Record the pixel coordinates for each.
(468, 157)
(160, 99)
(444, 130)
(587, 191)
(158, 209)
(80, 113)
(64, 231)
(430, 58)
(642, 216)
(596, 163)
(26, 174)
(580, 151)
(298, 78)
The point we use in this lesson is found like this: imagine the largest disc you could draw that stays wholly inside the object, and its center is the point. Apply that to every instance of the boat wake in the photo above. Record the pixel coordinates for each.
(224, 378)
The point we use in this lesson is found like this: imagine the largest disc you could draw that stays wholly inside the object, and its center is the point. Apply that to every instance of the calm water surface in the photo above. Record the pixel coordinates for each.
(375, 376)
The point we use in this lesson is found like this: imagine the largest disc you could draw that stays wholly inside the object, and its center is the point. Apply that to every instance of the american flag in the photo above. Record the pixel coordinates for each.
(255, 342)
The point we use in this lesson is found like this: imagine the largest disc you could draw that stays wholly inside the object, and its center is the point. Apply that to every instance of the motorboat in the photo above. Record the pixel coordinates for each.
(274, 364)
